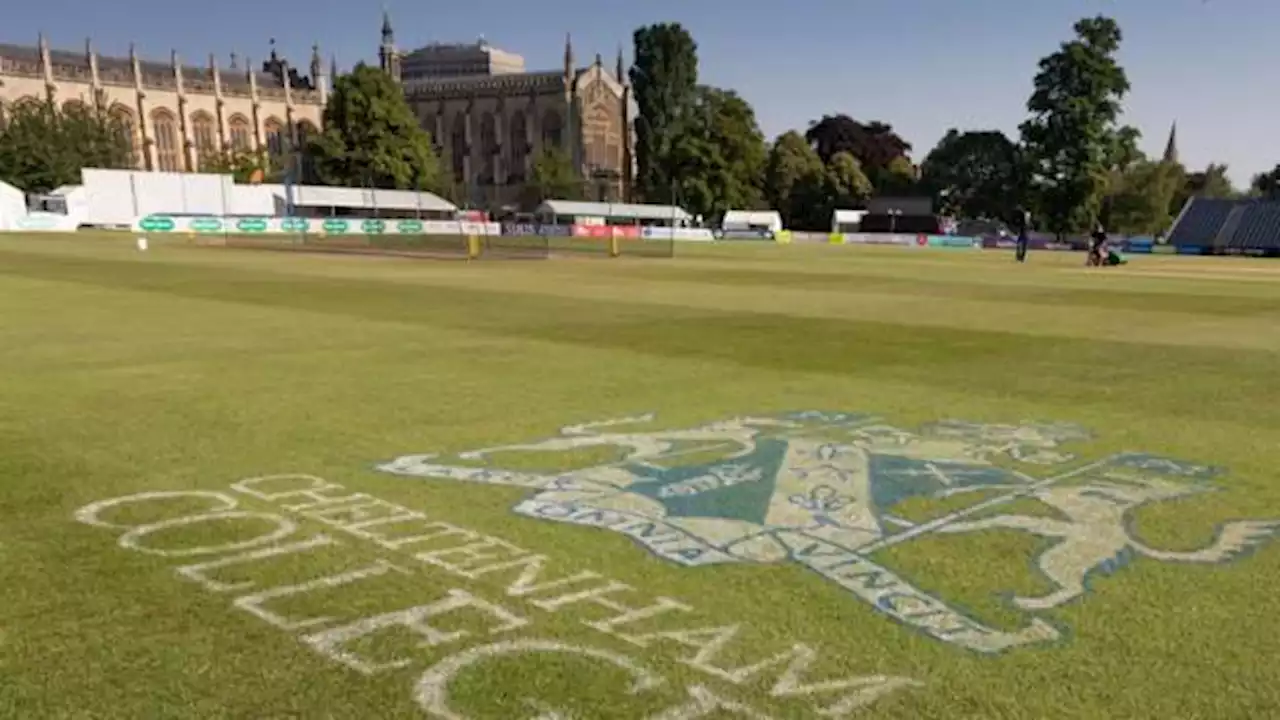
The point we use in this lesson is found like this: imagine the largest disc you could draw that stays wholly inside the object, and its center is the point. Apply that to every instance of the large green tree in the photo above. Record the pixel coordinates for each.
(371, 137)
(1071, 140)
(794, 175)
(552, 178)
(43, 147)
(878, 149)
(974, 174)
(720, 159)
(664, 81)
(847, 185)
(1140, 197)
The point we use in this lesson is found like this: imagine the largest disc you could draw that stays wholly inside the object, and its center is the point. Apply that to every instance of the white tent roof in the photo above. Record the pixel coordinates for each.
(770, 218)
(613, 210)
(848, 216)
(322, 196)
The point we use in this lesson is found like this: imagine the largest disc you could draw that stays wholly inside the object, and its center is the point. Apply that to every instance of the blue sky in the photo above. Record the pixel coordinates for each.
(921, 65)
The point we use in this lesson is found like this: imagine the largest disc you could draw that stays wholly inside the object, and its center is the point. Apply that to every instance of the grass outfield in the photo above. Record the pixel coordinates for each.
(798, 531)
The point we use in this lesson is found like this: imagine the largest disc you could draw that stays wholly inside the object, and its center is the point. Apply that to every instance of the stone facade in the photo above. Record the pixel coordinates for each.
(174, 114)
(489, 120)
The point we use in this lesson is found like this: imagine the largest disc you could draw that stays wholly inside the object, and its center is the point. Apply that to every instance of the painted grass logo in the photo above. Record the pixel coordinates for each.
(821, 489)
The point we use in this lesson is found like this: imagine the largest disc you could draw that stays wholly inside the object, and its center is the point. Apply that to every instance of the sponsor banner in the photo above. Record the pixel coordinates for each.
(536, 229)
(604, 232)
(45, 222)
(253, 225)
(747, 235)
(683, 234)
(1190, 250)
(799, 236)
(1164, 249)
(1248, 252)
(878, 239)
(952, 241)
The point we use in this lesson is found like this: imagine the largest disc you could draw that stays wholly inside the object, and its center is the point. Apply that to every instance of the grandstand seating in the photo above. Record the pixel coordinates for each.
(1201, 222)
(1259, 227)
(1229, 226)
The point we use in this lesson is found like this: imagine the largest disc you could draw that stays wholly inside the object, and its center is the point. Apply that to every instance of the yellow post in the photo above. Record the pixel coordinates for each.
(473, 247)
(614, 249)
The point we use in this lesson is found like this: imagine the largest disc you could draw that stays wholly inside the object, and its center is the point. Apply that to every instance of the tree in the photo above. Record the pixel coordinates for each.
(243, 165)
(664, 81)
(43, 147)
(847, 185)
(1071, 139)
(1123, 152)
(1267, 184)
(974, 175)
(898, 178)
(1212, 182)
(371, 136)
(1141, 197)
(796, 182)
(552, 178)
(720, 160)
(875, 145)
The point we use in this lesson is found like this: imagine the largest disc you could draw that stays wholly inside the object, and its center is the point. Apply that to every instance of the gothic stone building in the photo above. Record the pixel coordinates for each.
(174, 115)
(489, 118)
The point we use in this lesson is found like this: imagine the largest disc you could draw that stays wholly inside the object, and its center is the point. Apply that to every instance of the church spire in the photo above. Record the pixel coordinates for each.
(1171, 149)
(620, 70)
(568, 56)
(388, 56)
(388, 35)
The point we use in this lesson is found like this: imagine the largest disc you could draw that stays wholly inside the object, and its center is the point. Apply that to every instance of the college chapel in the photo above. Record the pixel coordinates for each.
(488, 117)
(174, 114)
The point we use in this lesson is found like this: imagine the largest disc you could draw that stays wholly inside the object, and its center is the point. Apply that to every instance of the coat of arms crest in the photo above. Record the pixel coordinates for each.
(821, 489)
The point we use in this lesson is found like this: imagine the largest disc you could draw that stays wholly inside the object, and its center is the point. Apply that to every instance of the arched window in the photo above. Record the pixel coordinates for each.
(273, 130)
(238, 127)
(306, 131)
(458, 147)
(168, 150)
(203, 132)
(488, 148)
(552, 129)
(519, 145)
(123, 117)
